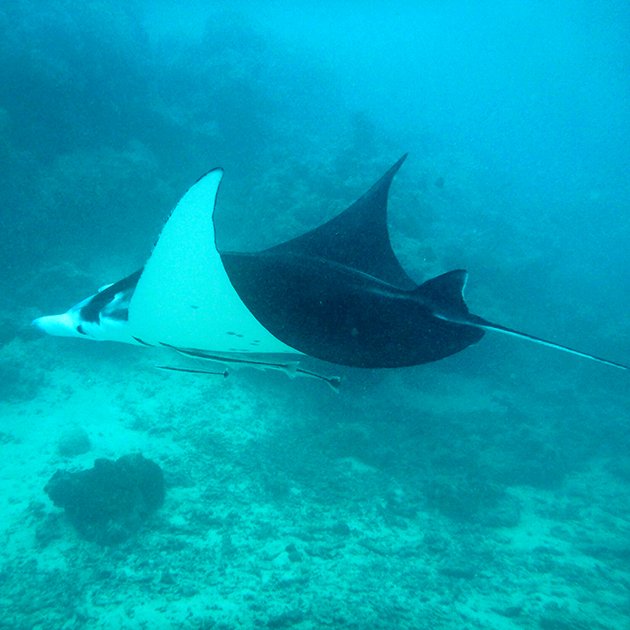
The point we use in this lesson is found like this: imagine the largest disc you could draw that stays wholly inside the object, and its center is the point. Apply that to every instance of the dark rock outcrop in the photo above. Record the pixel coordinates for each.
(111, 501)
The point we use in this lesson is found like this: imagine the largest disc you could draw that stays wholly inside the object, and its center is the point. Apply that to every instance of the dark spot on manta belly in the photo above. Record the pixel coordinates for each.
(121, 314)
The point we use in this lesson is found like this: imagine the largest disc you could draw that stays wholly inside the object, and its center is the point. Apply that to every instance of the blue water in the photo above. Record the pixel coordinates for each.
(485, 491)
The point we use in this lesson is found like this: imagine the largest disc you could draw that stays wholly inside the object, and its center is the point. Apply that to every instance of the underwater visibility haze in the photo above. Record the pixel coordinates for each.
(488, 489)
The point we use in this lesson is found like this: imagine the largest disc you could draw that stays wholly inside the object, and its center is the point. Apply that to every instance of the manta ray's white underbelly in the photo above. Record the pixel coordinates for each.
(184, 297)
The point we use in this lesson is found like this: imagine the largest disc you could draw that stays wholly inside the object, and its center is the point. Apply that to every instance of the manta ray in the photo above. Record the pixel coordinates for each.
(336, 293)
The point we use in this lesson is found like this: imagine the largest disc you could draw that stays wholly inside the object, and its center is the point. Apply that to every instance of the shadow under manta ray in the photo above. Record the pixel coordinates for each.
(336, 293)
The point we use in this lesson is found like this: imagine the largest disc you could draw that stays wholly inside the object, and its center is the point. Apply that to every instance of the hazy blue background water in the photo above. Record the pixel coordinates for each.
(111, 110)
(516, 116)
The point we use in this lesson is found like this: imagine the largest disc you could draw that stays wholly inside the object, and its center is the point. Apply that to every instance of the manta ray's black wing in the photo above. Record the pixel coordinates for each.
(338, 293)
(358, 238)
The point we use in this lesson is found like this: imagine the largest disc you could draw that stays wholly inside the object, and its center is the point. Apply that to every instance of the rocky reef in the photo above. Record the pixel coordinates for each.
(111, 501)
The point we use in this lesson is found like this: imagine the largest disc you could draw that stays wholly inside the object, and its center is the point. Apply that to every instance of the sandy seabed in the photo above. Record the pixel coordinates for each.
(289, 506)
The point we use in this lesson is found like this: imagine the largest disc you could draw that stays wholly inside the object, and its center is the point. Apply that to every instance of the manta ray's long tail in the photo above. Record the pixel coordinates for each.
(479, 322)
